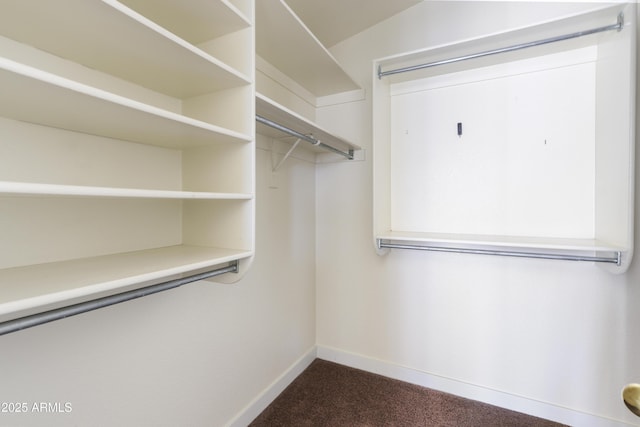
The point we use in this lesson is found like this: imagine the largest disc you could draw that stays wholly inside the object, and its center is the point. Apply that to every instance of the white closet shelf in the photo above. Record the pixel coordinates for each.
(40, 189)
(43, 286)
(271, 110)
(132, 170)
(110, 37)
(35, 96)
(201, 21)
(284, 41)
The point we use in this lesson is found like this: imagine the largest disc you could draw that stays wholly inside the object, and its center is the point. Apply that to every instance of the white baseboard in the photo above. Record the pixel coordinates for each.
(470, 391)
(259, 404)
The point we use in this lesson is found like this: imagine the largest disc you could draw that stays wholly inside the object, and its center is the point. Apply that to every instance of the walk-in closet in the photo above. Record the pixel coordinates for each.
(226, 212)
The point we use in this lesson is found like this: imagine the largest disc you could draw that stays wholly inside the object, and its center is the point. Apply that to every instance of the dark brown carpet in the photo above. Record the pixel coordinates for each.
(332, 395)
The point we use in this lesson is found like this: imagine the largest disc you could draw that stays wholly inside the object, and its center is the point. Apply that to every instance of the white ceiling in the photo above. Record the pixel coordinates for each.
(335, 20)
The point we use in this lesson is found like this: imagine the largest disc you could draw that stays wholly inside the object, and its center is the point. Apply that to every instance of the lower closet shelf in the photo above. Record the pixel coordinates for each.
(32, 289)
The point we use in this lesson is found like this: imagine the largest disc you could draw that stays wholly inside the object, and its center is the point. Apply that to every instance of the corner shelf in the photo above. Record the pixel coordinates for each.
(527, 151)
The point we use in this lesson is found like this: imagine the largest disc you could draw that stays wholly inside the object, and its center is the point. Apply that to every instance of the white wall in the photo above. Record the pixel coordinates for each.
(557, 332)
(196, 355)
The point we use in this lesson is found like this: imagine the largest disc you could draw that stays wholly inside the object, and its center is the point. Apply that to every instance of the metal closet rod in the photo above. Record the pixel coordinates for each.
(308, 138)
(617, 259)
(617, 26)
(83, 307)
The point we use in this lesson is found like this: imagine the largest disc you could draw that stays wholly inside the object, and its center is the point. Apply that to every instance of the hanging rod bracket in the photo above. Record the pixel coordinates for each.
(309, 138)
(286, 156)
(620, 21)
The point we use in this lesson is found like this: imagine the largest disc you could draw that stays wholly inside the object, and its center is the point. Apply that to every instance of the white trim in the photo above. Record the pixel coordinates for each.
(268, 395)
(275, 146)
(467, 390)
(358, 156)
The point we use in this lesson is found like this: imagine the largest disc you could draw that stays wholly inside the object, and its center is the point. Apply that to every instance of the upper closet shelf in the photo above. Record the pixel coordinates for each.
(202, 21)
(277, 121)
(35, 96)
(108, 36)
(284, 41)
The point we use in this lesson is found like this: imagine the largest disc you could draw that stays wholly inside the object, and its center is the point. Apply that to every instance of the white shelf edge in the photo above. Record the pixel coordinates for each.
(70, 87)
(271, 110)
(40, 287)
(599, 15)
(237, 11)
(41, 189)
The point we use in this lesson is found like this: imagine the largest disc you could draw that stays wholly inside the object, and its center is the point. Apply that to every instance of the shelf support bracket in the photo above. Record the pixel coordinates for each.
(309, 138)
(285, 157)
